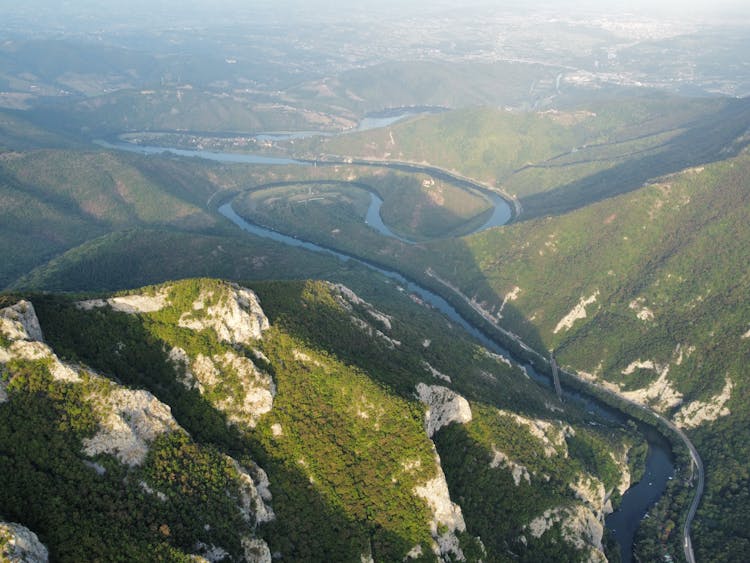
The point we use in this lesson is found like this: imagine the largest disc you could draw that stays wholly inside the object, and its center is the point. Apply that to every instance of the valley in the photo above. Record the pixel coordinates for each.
(418, 283)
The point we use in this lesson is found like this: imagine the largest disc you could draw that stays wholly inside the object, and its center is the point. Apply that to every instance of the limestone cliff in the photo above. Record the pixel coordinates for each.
(18, 544)
(233, 313)
(128, 420)
(444, 406)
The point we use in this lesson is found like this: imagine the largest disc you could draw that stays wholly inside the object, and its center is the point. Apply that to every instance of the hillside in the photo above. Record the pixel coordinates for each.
(647, 292)
(558, 160)
(56, 199)
(198, 417)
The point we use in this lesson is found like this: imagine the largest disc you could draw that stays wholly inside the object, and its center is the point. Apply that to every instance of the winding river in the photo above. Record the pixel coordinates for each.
(637, 500)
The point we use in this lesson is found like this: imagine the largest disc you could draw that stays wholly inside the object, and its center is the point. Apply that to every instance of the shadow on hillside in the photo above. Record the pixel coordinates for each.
(717, 136)
(308, 527)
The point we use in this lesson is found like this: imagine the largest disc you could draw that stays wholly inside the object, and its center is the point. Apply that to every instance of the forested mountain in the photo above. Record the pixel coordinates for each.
(175, 388)
(201, 418)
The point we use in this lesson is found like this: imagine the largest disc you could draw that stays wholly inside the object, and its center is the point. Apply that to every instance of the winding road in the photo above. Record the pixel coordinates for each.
(471, 184)
(696, 461)
(596, 391)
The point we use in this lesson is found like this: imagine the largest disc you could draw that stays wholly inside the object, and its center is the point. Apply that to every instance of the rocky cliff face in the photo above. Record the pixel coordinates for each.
(446, 516)
(232, 312)
(129, 421)
(443, 407)
(20, 545)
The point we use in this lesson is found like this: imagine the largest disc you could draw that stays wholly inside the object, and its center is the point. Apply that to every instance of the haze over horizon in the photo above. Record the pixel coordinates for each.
(87, 13)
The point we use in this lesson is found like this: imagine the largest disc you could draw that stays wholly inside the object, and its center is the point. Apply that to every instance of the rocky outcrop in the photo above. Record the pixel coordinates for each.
(447, 517)
(131, 304)
(583, 529)
(622, 463)
(255, 493)
(643, 313)
(346, 298)
(659, 394)
(253, 393)
(500, 459)
(550, 434)
(209, 553)
(18, 544)
(436, 373)
(256, 550)
(444, 406)
(576, 313)
(696, 413)
(130, 421)
(350, 302)
(580, 528)
(234, 314)
(590, 490)
(19, 322)
(21, 331)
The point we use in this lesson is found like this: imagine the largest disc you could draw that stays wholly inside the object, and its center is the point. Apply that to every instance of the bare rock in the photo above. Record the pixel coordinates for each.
(20, 325)
(551, 435)
(255, 493)
(697, 412)
(444, 406)
(19, 322)
(18, 544)
(130, 421)
(446, 515)
(576, 313)
(256, 550)
(580, 528)
(500, 459)
(236, 317)
(131, 304)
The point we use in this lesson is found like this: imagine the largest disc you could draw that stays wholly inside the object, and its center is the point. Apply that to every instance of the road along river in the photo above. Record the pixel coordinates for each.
(660, 460)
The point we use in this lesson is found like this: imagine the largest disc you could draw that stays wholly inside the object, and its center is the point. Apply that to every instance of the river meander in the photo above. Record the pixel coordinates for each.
(637, 500)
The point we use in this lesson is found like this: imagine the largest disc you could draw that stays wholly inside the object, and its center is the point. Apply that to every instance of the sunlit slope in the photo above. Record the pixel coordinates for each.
(647, 291)
(554, 161)
(308, 421)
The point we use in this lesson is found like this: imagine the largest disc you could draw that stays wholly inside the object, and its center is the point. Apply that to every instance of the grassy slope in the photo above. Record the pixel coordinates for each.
(57, 199)
(143, 256)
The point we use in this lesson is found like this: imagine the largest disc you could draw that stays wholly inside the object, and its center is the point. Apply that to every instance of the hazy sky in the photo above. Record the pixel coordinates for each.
(163, 12)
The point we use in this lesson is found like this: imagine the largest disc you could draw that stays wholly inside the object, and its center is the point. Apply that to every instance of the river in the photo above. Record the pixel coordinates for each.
(636, 501)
